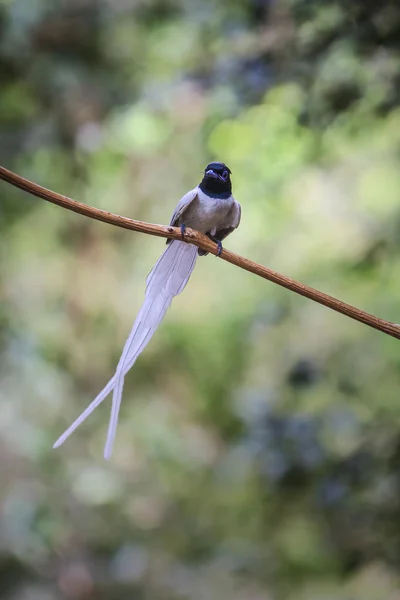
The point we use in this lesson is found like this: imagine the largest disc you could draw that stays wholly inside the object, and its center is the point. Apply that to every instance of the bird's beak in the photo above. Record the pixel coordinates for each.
(213, 174)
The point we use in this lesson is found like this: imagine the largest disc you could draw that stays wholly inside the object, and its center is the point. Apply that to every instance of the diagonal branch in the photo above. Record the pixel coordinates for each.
(204, 243)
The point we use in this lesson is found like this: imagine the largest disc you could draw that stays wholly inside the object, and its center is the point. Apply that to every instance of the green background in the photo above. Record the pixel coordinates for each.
(258, 451)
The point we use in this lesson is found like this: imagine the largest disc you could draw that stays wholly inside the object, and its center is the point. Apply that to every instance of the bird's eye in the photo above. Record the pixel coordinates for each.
(225, 175)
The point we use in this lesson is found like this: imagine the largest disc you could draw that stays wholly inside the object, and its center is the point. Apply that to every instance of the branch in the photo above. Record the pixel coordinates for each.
(202, 241)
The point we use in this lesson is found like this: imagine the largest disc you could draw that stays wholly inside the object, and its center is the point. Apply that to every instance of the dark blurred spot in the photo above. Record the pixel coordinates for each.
(342, 96)
(69, 32)
(394, 458)
(373, 257)
(348, 386)
(287, 448)
(255, 76)
(151, 13)
(330, 492)
(352, 561)
(259, 10)
(12, 574)
(303, 374)
(358, 467)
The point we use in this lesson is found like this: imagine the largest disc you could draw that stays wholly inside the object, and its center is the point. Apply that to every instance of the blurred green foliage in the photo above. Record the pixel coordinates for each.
(258, 451)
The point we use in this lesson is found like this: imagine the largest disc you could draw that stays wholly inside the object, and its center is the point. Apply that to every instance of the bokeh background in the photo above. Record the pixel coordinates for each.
(258, 451)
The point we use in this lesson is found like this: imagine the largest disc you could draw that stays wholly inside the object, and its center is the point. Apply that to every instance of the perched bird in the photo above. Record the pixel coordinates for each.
(209, 208)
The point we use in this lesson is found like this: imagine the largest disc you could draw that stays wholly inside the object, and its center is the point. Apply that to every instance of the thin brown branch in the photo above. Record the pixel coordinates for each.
(204, 243)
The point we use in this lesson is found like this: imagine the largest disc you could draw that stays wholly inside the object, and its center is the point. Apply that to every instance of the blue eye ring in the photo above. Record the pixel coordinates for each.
(225, 175)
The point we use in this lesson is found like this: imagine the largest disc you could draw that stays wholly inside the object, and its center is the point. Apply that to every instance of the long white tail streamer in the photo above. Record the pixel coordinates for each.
(167, 279)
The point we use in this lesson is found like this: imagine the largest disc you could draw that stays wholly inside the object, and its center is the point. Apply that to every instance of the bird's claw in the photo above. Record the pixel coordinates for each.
(183, 230)
(219, 244)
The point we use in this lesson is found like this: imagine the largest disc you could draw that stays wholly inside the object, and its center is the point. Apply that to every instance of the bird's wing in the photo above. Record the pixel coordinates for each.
(182, 206)
(233, 219)
(236, 215)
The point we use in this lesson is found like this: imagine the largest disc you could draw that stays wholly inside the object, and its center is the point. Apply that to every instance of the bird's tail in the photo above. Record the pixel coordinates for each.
(167, 279)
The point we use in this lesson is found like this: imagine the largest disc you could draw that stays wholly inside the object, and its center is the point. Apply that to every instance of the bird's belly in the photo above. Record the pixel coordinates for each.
(207, 216)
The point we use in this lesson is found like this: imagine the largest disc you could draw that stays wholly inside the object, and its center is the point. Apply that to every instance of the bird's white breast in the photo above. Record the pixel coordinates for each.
(207, 214)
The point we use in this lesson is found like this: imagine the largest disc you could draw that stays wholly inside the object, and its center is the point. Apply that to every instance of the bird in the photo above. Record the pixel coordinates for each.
(209, 208)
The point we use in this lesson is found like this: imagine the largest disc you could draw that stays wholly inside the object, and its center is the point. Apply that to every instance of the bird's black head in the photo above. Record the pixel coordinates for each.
(217, 180)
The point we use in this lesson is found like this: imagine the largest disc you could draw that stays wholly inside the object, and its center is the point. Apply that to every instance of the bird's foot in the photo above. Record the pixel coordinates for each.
(183, 230)
(217, 241)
